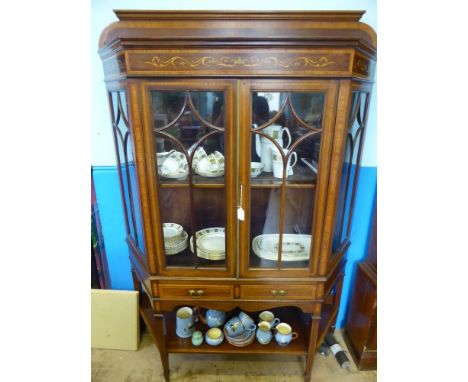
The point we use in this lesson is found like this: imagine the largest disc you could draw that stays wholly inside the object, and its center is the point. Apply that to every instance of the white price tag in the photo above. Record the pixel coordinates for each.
(240, 213)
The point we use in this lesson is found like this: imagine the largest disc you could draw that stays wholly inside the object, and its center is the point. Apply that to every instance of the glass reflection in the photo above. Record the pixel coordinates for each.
(189, 145)
(285, 150)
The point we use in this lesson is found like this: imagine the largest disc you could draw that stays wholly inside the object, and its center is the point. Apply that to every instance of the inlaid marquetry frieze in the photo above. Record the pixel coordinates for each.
(298, 62)
(363, 66)
(232, 61)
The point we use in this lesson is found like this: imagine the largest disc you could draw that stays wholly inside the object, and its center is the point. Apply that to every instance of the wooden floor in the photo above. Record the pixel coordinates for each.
(144, 366)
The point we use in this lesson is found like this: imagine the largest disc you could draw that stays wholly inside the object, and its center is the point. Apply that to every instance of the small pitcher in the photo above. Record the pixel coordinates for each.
(264, 334)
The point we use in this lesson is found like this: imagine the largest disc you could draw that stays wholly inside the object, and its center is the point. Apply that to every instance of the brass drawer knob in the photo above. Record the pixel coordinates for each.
(282, 292)
(274, 292)
(200, 292)
(191, 292)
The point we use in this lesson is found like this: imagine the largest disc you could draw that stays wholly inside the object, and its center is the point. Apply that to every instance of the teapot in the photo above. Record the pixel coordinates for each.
(263, 146)
(213, 318)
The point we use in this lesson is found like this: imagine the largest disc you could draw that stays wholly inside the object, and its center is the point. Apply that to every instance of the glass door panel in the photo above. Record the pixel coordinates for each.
(286, 129)
(190, 143)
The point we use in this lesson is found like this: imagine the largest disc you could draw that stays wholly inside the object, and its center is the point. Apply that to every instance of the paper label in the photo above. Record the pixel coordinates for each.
(335, 348)
(240, 213)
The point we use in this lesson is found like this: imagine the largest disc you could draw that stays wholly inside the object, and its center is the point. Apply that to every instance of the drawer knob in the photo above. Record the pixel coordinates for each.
(200, 292)
(282, 292)
(274, 292)
(191, 292)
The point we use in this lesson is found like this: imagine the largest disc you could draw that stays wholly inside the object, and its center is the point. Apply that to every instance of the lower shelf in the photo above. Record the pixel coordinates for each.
(292, 316)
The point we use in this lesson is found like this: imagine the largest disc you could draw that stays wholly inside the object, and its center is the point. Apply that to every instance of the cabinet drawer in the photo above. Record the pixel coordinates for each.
(198, 291)
(277, 291)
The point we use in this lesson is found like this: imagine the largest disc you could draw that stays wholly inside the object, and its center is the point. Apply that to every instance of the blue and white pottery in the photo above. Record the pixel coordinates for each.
(214, 336)
(234, 327)
(264, 334)
(197, 338)
(269, 317)
(215, 318)
(185, 322)
(284, 334)
(246, 320)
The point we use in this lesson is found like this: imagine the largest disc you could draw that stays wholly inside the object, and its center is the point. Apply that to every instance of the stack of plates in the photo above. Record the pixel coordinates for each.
(241, 340)
(175, 238)
(210, 243)
(295, 247)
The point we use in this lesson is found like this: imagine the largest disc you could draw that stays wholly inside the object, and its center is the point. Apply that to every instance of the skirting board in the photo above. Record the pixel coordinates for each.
(114, 319)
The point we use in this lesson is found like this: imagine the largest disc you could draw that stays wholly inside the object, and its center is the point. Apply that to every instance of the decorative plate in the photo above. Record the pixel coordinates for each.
(210, 243)
(295, 247)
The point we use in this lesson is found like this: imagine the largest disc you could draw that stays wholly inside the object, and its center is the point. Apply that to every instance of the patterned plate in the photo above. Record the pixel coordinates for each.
(210, 243)
(294, 247)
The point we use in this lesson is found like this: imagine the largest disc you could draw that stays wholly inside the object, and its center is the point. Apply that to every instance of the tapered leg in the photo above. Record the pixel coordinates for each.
(136, 282)
(314, 327)
(161, 341)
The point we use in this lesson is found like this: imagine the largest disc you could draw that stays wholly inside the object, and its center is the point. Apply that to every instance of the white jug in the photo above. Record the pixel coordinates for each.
(264, 146)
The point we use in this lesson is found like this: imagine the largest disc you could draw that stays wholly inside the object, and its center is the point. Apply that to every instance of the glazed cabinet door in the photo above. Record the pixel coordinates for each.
(191, 163)
(337, 242)
(285, 145)
(127, 169)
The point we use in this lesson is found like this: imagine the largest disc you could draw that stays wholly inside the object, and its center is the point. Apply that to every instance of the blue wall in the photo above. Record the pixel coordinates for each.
(106, 183)
(360, 230)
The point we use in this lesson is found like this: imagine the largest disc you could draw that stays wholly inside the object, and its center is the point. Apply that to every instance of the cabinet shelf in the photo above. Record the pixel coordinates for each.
(292, 316)
(302, 178)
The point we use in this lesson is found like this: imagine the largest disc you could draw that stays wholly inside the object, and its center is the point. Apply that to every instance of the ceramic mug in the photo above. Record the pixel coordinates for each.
(185, 322)
(214, 336)
(234, 327)
(246, 320)
(284, 334)
(264, 334)
(269, 317)
(278, 163)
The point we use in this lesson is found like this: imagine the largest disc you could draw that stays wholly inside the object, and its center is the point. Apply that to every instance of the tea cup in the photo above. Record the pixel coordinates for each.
(174, 163)
(267, 316)
(162, 156)
(246, 320)
(284, 334)
(256, 169)
(185, 322)
(200, 154)
(234, 327)
(278, 163)
(214, 336)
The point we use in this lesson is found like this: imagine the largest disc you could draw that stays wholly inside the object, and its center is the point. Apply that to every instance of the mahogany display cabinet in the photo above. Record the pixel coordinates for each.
(198, 99)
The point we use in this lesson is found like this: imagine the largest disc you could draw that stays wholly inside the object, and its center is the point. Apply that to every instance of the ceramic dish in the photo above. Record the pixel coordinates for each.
(181, 173)
(210, 243)
(173, 249)
(295, 247)
(172, 233)
(241, 340)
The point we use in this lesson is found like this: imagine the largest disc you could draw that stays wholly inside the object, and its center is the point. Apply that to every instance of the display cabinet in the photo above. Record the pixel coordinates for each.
(238, 140)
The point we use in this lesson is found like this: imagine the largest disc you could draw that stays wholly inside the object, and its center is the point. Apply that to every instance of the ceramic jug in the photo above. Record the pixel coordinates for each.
(263, 146)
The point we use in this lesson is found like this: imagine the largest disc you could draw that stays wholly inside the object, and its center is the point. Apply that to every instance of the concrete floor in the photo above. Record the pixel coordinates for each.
(144, 366)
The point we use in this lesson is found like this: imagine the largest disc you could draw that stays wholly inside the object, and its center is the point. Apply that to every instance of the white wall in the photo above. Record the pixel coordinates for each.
(102, 15)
